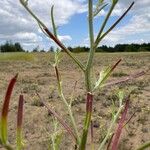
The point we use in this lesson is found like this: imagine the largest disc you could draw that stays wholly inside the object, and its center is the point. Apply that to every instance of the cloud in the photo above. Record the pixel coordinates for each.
(136, 29)
(64, 38)
(17, 25)
(23, 36)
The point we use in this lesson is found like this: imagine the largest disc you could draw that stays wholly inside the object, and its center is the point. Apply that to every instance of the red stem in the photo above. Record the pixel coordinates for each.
(89, 102)
(20, 112)
(5, 107)
(120, 126)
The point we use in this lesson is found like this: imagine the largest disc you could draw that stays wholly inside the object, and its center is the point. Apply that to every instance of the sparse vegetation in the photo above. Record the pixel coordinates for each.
(77, 137)
(17, 57)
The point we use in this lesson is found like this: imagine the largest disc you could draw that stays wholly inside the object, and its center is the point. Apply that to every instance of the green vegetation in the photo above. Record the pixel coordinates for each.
(79, 136)
(145, 47)
(17, 56)
(10, 47)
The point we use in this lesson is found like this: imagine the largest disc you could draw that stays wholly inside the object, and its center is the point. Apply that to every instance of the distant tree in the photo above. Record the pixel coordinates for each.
(36, 49)
(70, 49)
(42, 50)
(10, 47)
(131, 48)
(51, 49)
(120, 47)
(18, 47)
(80, 49)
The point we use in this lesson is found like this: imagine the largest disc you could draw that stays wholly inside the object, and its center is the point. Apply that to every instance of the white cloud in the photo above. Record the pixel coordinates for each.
(137, 28)
(17, 25)
(64, 38)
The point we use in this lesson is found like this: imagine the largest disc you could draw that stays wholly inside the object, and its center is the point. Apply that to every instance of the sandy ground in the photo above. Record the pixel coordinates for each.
(38, 75)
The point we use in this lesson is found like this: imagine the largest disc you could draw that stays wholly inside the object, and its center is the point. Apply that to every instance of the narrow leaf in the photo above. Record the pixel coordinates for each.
(105, 74)
(5, 109)
(129, 78)
(53, 21)
(117, 22)
(19, 123)
(120, 126)
(61, 121)
(97, 11)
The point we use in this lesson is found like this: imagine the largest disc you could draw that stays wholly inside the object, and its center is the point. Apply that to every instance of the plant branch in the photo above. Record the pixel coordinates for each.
(53, 22)
(114, 25)
(89, 105)
(66, 103)
(120, 126)
(105, 74)
(64, 124)
(89, 101)
(104, 24)
(92, 51)
(51, 36)
(110, 128)
(129, 78)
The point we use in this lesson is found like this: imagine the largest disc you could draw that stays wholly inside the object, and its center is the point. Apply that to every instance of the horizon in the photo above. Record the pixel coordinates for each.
(18, 26)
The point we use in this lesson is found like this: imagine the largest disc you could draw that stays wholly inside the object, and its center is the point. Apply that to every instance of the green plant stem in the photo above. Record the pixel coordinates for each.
(88, 77)
(51, 36)
(53, 22)
(144, 146)
(65, 102)
(92, 138)
(98, 39)
(110, 129)
(59, 80)
(19, 139)
(87, 121)
(92, 51)
(71, 116)
(113, 26)
(3, 130)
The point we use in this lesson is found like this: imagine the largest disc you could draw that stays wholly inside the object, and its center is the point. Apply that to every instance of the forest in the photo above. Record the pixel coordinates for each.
(16, 47)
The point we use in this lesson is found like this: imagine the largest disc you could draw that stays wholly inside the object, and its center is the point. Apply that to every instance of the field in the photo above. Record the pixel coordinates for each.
(36, 73)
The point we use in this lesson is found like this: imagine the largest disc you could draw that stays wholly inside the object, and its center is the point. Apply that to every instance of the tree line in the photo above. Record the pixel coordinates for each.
(10, 47)
(16, 47)
(116, 48)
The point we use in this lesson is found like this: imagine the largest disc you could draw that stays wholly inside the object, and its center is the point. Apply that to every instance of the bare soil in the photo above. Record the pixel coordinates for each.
(38, 75)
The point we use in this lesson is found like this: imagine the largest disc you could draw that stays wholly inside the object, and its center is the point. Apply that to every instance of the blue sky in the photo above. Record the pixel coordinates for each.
(71, 17)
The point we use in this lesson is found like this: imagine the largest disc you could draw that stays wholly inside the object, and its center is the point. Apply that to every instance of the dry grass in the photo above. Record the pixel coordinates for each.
(38, 75)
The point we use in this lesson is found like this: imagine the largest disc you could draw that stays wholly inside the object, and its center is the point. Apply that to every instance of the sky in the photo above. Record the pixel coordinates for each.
(17, 25)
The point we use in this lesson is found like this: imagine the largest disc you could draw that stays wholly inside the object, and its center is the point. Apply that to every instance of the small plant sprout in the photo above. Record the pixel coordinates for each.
(19, 123)
(79, 136)
(4, 114)
(4, 118)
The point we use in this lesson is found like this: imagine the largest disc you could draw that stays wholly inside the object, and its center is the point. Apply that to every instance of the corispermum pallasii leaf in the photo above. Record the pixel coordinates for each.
(19, 123)
(5, 109)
